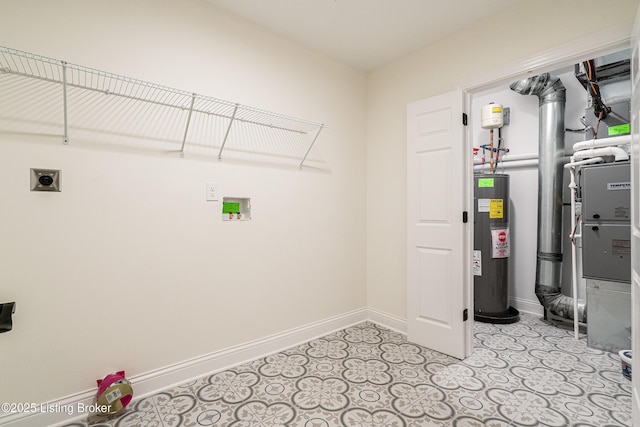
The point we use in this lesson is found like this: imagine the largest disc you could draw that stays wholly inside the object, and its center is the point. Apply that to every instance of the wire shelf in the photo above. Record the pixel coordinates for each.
(103, 102)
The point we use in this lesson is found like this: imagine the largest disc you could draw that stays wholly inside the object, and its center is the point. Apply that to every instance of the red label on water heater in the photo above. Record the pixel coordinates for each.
(500, 243)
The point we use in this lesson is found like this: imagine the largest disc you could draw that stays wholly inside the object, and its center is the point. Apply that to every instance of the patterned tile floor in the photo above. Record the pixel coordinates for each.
(531, 373)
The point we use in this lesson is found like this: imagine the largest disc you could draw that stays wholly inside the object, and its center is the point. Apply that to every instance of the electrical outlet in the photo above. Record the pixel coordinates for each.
(213, 191)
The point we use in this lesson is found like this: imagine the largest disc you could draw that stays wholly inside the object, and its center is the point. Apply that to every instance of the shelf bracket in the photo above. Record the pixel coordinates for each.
(65, 138)
(226, 135)
(186, 128)
(310, 146)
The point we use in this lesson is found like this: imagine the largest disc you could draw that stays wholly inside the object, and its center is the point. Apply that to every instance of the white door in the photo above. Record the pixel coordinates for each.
(438, 278)
(635, 215)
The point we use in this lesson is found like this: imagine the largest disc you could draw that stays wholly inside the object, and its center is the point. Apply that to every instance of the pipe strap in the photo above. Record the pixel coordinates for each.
(548, 256)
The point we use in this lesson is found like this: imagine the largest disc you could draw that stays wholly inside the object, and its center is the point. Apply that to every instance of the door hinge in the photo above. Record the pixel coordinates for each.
(465, 217)
(464, 119)
(465, 315)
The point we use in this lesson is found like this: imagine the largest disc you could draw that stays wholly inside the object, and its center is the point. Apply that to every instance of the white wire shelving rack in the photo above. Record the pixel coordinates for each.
(43, 76)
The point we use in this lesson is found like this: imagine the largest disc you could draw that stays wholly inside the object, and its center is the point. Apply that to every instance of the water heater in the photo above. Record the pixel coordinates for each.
(491, 250)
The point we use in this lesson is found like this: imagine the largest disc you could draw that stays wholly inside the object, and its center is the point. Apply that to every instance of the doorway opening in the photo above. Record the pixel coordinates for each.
(552, 234)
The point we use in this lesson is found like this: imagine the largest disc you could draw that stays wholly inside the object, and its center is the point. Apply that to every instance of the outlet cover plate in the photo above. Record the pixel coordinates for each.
(213, 191)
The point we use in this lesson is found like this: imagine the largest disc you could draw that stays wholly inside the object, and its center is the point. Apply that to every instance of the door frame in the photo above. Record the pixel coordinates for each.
(596, 44)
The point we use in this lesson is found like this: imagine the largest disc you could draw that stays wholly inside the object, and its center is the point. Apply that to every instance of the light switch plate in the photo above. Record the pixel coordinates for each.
(213, 191)
(45, 180)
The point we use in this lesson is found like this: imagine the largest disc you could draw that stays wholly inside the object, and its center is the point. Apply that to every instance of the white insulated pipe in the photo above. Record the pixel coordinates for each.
(508, 157)
(511, 164)
(573, 164)
(574, 258)
(605, 142)
(617, 152)
(514, 161)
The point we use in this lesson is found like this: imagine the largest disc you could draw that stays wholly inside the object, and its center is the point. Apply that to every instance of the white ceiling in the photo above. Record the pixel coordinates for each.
(365, 34)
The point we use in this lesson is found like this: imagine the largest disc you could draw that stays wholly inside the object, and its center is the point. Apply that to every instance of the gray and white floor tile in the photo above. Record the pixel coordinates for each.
(532, 373)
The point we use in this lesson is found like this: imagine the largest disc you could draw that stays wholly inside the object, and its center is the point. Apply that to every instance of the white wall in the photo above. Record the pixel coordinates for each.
(438, 68)
(129, 267)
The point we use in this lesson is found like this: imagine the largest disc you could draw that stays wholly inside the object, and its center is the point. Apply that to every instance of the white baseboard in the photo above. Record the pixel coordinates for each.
(65, 410)
(387, 320)
(527, 306)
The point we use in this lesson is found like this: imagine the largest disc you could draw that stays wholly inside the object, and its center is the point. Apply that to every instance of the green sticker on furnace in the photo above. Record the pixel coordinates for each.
(619, 130)
(485, 182)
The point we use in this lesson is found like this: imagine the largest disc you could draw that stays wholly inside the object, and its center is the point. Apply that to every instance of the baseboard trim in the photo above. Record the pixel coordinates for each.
(157, 380)
(387, 320)
(527, 306)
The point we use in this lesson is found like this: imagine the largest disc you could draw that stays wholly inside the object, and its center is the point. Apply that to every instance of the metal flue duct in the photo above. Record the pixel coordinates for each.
(552, 97)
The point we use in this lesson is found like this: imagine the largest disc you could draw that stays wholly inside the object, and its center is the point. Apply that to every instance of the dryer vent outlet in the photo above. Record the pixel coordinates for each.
(45, 180)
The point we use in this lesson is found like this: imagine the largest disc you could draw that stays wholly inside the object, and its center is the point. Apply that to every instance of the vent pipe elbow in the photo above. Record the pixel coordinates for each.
(546, 87)
(560, 305)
